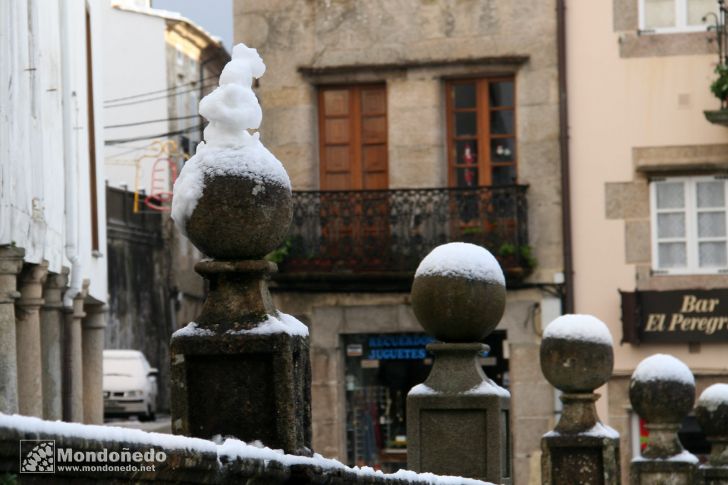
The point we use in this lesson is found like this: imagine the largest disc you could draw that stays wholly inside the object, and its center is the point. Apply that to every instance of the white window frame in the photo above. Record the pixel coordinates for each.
(681, 20)
(691, 225)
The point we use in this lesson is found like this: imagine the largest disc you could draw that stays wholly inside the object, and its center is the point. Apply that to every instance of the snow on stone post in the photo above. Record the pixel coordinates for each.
(242, 368)
(576, 358)
(457, 420)
(662, 392)
(712, 414)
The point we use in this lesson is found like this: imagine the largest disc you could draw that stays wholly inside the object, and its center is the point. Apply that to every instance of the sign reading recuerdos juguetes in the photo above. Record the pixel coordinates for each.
(675, 316)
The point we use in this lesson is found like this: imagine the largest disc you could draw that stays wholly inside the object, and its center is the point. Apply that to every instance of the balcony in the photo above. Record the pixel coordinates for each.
(378, 237)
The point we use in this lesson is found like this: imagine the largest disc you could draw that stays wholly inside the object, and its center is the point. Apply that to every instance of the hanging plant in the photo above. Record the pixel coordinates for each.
(719, 87)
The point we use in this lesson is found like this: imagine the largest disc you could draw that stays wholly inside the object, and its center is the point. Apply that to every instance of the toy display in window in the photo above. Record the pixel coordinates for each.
(469, 159)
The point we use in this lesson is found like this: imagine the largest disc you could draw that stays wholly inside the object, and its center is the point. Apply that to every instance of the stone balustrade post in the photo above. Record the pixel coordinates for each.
(51, 344)
(11, 262)
(27, 333)
(73, 359)
(576, 358)
(458, 419)
(662, 392)
(93, 326)
(712, 414)
(241, 368)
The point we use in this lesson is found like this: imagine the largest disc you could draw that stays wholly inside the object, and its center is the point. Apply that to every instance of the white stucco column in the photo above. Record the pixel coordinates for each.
(27, 334)
(93, 363)
(73, 360)
(11, 262)
(51, 338)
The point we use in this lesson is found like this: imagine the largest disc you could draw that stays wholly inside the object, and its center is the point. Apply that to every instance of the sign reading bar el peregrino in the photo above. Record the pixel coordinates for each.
(675, 316)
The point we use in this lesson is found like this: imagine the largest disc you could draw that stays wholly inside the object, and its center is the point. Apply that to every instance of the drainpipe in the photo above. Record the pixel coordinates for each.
(70, 165)
(567, 302)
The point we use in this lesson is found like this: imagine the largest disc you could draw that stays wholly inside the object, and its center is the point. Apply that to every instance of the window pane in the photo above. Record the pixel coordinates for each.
(711, 224)
(659, 13)
(670, 225)
(712, 254)
(467, 177)
(501, 122)
(671, 255)
(466, 124)
(711, 194)
(670, 195)
(501, 93)
(502, 149)
(467, 152)
(697, 10)
(464, 95)
(504, 175)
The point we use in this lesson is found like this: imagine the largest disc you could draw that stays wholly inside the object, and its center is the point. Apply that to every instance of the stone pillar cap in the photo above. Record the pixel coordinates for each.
(712, 410)
(576, 353)
(662, 389)
(458, 294)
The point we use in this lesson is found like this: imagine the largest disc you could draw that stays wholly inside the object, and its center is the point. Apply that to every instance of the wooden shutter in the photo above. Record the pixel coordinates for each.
(353, 138)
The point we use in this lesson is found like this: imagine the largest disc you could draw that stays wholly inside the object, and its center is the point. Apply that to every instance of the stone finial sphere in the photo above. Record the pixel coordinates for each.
(576, 353)
(459, 293)
(662, 389)
(712, 410)
(238, 217)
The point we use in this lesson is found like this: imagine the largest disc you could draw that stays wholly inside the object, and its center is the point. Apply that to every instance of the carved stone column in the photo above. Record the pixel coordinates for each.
(51, 344)
(712, 414)
(576, 358)
(27, 333)
(662, 392)
(11, 262)
(73, 359)
(457, 420)
(93, 363)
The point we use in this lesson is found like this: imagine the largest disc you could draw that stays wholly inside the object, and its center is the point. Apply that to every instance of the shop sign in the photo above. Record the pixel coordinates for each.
(397, 347)
(675, 316)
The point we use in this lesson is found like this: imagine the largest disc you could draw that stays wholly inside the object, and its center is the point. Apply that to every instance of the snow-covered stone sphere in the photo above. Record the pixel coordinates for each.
(576, 353)
(662, 389)
(459, 294)
(233, 197)
(712, 411)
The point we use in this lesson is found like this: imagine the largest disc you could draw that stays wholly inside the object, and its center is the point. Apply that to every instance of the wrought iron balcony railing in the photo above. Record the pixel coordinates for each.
(392, 230)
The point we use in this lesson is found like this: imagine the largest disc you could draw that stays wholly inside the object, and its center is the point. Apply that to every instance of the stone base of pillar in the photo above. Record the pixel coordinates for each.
(580, 449)
(460, 410)
(714, 475)
(230, 376)
(579, 458)
(233, 383)
(660, 472)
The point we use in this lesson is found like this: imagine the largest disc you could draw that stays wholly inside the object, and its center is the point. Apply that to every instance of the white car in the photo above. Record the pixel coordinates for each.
(130, 385)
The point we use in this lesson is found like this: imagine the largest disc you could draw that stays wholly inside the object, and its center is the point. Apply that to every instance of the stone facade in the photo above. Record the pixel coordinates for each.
(414, 47)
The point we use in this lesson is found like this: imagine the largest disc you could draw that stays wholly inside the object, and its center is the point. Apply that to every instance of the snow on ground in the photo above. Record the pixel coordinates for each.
(464, 260)
(663, 367)
(585, 328)
(229, 448)
(713, 397)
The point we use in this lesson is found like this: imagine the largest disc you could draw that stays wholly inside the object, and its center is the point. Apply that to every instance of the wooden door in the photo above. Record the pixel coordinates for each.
(354, 172)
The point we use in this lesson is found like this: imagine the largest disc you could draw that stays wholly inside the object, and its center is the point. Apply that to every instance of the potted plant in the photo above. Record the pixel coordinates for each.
(517, 261)
(719, 88)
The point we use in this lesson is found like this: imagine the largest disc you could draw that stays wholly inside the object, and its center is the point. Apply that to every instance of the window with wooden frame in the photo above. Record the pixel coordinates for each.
(353, 137)
(481, 132)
